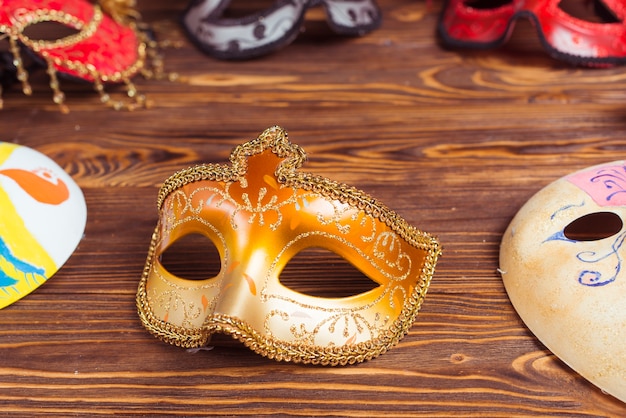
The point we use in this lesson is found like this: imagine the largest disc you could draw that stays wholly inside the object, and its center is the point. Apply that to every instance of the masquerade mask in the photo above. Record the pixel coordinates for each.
(260, 212)
(42, 222)
(271, 29)
(561, 262)
(600, 40)
(99, 49)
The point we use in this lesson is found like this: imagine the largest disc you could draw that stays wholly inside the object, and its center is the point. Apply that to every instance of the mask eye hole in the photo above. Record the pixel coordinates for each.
(593, 11)
(319, 272)
(486, 4)
(594, 226)
(192, 257)
(49, 31)
(240, 8)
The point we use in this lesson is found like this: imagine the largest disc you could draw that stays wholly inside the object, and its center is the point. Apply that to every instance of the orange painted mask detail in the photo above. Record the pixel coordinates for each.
(260, 212)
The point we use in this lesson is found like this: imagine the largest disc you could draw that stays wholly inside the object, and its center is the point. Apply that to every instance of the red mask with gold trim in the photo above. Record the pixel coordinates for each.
(100, 49)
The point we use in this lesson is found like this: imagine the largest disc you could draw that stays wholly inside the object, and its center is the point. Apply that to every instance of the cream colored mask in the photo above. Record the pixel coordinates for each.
(561, 263)
(260, 212)
(42, 222)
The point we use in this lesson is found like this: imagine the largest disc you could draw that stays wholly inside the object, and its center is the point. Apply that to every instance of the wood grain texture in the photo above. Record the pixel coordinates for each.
(454, 141)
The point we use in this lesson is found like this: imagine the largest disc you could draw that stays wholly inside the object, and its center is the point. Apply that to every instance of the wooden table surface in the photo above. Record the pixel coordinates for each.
(454, 141)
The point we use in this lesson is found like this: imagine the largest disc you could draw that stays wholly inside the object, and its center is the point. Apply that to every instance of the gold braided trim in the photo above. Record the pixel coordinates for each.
(45, 15)
(85, 31)
(282, 350)
(275, 138)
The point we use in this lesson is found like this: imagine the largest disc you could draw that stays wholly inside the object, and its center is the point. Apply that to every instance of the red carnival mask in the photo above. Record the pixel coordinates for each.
(102, 48)
(598, 40)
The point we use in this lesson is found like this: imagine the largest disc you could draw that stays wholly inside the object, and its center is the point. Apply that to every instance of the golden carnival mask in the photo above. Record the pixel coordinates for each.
(260, 212)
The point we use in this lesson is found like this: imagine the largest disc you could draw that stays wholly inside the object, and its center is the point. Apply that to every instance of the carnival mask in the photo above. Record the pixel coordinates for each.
(599, 39)
(95, 47)
(561, 262)
(42, 222)
(260, 212)
(265, 31)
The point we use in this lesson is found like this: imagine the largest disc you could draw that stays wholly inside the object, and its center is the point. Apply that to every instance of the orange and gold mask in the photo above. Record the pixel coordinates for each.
(260, 212)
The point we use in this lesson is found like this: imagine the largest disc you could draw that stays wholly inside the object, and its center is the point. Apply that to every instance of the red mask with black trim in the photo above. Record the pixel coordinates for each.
(588, 33)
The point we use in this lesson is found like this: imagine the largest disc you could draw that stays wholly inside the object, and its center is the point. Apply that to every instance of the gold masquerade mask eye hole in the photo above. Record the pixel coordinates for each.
(49, 31)
(319, 272)
(192, 257)
(594, 226)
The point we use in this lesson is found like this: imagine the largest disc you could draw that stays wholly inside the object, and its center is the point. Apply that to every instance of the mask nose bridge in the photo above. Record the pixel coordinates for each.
(245, 273)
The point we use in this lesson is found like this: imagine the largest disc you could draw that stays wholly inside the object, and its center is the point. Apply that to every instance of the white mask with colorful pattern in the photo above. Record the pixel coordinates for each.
(562, 262)
(42, 222)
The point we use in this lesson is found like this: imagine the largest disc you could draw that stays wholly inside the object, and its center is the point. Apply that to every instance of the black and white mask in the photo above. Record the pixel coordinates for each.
(265, 31)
